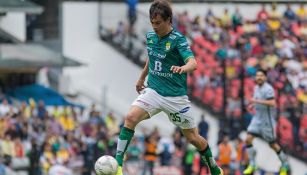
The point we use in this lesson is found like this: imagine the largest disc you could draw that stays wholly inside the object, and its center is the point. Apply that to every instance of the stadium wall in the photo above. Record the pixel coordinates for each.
(14, 23)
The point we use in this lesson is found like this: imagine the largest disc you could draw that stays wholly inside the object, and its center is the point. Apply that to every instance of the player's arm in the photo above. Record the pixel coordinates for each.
(268, 102)
(144, 71)
(269, 98)
(140, 83)
(187, 55)
(190, 66)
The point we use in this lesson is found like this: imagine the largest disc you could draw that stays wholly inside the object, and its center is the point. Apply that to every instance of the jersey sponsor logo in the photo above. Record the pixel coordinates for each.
(167, 46)
(156, 54)
(161, 74)
(184, 110)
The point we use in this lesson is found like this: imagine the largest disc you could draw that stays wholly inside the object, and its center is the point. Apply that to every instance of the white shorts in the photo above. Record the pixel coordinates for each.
(178, 109)
(263, 129)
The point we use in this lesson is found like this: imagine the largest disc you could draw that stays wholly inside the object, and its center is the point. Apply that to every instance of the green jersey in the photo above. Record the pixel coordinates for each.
(170, 50)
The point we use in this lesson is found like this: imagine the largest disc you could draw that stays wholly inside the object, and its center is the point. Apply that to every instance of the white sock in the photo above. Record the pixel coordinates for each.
(251, 155)
(283, 158)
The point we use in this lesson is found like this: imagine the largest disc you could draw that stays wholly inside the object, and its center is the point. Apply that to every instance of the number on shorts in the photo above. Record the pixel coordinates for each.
(175, 117)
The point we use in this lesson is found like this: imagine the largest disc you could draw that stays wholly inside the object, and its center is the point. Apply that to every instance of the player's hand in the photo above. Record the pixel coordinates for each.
(178, 69)
(252, 100)
(250, 107)
(139, 86)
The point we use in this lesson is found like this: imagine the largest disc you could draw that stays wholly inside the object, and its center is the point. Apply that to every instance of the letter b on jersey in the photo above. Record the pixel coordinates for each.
(158, 66)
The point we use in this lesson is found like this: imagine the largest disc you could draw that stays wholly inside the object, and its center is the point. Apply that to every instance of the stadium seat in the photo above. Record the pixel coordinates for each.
(208, 96)
(284, 132)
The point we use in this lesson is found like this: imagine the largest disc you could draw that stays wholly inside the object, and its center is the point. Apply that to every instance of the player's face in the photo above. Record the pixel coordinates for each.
(260, 78)
(159, 25)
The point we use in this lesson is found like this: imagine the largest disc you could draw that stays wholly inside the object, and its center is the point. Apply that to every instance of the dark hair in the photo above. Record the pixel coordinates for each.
(162, 8)
(263, 71)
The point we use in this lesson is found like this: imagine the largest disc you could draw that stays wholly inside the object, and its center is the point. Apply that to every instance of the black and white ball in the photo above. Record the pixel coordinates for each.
(106, 165)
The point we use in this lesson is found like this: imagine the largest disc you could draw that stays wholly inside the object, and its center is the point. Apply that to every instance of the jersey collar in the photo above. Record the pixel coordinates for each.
(165, 36)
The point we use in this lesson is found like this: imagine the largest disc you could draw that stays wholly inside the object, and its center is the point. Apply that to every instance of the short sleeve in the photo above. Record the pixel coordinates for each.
(255, 92)
(184, 49)
(269, 93)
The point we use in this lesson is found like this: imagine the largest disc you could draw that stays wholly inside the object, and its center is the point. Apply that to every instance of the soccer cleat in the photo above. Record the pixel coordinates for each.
(249, 170)
(119, 170)
(284, 170)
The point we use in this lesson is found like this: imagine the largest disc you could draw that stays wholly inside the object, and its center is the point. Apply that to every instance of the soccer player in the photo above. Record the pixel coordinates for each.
(261, 125)
(170, 59)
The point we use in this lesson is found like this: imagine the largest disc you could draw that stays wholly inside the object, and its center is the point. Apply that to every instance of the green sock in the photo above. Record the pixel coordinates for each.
(206, 156)
(124, 139)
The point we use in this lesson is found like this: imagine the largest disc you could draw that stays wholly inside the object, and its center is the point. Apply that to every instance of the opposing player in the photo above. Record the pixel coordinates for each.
(263, 102)
(170, 59)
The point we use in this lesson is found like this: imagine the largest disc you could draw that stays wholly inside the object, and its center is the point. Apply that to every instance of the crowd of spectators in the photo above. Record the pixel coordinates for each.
(230, 49)
(36, 139)
(39, 140)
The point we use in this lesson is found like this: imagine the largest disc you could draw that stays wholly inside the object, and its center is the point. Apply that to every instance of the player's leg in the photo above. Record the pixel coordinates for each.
(134, 116)
(251, 154)
(180, 114)
(268, 134)
(143, 107)
(254, 129)
(282, 157)
(202, 145)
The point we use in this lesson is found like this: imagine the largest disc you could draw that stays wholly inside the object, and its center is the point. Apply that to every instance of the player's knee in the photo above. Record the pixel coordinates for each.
(131, 120)
(193, 139)
(274, 146)
(249, 139)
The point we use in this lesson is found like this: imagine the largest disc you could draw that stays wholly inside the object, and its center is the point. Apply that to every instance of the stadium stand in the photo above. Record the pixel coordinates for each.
(23, 120)
(39, 139)
(229, 50)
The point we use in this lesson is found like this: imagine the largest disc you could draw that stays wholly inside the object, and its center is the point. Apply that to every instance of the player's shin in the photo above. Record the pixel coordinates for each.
(251, 155)
(206, 156)
(283, 158)
(124, 139)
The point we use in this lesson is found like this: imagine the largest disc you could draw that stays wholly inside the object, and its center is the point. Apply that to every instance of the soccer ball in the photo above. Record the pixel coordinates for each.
(106, 165)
